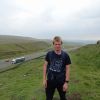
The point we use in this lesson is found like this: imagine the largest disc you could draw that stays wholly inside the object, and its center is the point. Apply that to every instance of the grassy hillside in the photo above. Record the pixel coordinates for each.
(14, 46)
(25, 81)
(85, 73)
(88, 55)
(4, 39)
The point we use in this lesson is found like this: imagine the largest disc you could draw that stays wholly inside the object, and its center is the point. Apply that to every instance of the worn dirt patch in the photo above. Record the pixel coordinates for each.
(74, 96)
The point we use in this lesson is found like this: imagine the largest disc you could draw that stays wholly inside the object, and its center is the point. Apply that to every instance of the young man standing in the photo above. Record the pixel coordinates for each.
(56, 71)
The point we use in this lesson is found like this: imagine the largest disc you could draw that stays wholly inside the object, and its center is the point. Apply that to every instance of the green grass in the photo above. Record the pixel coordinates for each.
(25, 81)
(13, 46)
(85, 73)
(17, 49)
(88, 55)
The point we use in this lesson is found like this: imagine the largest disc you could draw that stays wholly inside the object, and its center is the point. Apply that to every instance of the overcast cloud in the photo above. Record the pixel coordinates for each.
(70, 19)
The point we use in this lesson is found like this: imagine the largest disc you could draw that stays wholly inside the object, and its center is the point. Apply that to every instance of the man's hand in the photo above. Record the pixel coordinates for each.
(65, 87)
(45, 83)
(44, 74)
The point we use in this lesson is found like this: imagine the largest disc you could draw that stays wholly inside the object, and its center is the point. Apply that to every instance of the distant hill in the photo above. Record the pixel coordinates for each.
(16, 39)
(17, 45)
(11, 46)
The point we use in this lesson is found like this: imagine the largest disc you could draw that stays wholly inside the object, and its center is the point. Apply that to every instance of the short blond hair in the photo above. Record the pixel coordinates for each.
(57, 39)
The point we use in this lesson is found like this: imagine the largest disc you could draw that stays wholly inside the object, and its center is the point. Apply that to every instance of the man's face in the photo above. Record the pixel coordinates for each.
(57, 45)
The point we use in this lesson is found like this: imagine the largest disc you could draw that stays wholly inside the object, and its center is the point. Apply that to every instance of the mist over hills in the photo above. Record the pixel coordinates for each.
(14, 39)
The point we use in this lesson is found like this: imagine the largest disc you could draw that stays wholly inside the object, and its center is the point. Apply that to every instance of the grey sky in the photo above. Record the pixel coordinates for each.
(70, 19)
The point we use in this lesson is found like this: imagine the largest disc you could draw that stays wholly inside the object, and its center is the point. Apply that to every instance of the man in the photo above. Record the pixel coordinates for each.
(56, 71)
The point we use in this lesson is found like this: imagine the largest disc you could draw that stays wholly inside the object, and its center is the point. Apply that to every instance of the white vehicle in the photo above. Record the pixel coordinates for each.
(18, 60)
